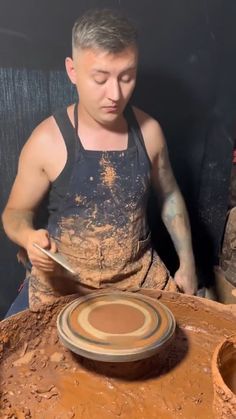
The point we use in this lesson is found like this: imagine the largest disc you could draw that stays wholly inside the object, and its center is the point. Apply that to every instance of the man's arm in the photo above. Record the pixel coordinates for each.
(175, 218)
(29, 188)
(173, 209)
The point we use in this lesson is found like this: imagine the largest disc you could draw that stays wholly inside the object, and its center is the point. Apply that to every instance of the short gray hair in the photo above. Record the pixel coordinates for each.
(104, 29)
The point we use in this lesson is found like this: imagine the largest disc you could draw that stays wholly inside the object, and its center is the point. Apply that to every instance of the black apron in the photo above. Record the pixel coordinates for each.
(98, 215)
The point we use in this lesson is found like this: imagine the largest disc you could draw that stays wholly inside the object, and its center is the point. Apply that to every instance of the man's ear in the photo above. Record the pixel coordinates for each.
(70, 69)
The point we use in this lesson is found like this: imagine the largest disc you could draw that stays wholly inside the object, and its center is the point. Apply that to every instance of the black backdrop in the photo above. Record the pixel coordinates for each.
(186, 80)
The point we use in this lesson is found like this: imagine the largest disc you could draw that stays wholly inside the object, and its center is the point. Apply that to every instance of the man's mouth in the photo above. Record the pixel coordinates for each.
(110, 108)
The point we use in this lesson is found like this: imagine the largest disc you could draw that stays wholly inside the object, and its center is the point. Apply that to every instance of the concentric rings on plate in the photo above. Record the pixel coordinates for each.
(115, 326)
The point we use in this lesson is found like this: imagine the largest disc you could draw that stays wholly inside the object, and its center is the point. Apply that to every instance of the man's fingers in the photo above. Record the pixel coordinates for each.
(36, 256)
(46, 242)
(42, 239)
(45, 268)
(40, 260)
(43, 265)
(179, 287)
(53, 247)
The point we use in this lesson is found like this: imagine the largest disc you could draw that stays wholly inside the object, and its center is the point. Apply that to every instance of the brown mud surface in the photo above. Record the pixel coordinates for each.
(224, 379)
(40, 379)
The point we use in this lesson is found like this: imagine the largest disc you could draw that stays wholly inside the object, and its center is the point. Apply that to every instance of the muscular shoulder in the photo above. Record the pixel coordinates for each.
(44, 145)
(44, 136)
(151, 131)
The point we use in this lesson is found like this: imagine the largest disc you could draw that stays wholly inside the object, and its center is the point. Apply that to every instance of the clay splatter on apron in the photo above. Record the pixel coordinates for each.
(108, 175)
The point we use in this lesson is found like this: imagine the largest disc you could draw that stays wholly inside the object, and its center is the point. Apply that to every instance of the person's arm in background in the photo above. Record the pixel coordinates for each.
(28, 190)
(172, 206)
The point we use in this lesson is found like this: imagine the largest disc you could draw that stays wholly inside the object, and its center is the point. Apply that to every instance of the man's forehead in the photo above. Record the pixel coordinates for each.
(95, 56)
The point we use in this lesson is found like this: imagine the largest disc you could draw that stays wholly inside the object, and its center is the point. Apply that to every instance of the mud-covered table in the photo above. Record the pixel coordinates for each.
(39, 378)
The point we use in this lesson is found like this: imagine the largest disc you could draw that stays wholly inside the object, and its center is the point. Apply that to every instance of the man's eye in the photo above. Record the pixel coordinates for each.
(126, 78)
(100, 81)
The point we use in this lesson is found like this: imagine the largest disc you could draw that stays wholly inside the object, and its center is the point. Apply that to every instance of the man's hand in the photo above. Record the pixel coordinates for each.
(186, 280)
(36, 257)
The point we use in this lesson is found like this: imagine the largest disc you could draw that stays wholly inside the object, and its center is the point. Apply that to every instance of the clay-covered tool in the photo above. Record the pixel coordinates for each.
(115, 326)
(57, 257)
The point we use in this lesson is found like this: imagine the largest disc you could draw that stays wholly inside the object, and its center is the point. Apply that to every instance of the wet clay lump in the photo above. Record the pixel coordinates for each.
(41, 379)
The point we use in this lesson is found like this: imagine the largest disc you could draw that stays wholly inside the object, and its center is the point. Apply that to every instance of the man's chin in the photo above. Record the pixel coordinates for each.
(109, 118)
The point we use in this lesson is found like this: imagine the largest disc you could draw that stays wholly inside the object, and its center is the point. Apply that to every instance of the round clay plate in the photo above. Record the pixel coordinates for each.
(115, 326)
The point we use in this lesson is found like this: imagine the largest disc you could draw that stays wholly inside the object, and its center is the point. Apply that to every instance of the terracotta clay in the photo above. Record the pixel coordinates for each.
(224, 379)
(127, 319)
(117, 329)
(39, 378)
(128, 326)
(133, 370)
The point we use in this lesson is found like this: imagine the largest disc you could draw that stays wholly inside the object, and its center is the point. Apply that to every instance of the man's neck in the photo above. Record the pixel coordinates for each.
(118, 125)
(97, 136)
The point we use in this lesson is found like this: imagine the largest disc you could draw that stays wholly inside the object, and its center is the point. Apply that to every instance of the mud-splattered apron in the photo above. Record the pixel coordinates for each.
(98, 219)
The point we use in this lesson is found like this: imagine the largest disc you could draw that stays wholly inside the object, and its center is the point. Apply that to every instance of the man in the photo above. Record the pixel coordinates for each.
(97, 159)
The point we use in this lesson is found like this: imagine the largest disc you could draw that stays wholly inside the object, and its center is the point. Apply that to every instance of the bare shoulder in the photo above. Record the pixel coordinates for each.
(43, 137)
(152, 133)
(44, 145)
(41, 161)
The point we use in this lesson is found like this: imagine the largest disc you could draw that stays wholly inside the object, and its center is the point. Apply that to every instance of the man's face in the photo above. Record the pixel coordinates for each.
(105, 81)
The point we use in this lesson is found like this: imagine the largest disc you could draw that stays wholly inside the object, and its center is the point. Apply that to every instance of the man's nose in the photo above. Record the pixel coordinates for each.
(114, 91)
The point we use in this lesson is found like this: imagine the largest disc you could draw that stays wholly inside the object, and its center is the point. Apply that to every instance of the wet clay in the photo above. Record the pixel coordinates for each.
(229, 375)
(108, 339)
(116, 318)
(39, 378)
(224, 378)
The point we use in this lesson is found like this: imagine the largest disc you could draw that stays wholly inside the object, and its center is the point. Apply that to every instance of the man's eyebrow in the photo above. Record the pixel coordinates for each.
(131, 68)
(98, 70)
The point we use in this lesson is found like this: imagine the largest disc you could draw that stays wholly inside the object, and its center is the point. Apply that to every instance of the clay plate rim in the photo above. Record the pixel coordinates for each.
(118, 355)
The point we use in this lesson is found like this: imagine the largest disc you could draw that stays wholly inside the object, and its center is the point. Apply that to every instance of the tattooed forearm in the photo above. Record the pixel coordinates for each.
(175, 217)
(173, 210)
(165, 179)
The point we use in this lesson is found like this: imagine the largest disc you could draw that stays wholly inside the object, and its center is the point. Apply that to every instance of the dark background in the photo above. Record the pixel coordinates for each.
(186, 80)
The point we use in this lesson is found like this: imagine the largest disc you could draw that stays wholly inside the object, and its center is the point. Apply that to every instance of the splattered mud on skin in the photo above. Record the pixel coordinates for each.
(40, 379)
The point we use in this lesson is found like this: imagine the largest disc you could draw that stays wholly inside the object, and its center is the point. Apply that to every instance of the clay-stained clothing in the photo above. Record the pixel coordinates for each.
(228, 253)
(98, 218)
